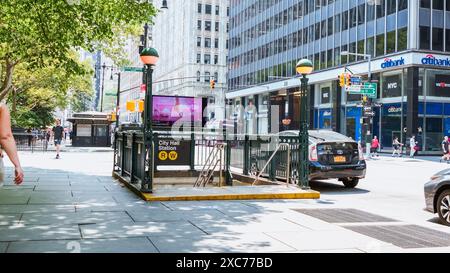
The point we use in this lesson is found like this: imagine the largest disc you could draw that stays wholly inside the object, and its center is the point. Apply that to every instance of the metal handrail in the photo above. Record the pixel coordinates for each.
(218, 149)
(272, 157)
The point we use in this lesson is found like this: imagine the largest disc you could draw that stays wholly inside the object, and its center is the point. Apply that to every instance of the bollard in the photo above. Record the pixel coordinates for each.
(246, 154)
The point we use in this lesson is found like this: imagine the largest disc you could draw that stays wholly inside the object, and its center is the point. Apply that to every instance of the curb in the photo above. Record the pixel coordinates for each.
(310, 194)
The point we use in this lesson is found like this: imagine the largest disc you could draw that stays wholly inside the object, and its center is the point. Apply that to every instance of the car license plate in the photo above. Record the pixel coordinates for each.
(339, 159)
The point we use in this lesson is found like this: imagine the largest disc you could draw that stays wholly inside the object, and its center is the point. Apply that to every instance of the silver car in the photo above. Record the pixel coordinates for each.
(437, 195)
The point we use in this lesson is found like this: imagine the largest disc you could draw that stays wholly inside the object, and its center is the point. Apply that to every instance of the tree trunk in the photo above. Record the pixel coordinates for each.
(7, 81)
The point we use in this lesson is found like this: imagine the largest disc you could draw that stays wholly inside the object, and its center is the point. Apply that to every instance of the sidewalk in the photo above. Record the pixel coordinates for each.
(73, 205)
(69, 148)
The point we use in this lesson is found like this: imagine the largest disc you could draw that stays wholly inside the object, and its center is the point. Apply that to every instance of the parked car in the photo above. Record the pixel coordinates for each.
(331, 156)
(334, 156)
(437, 195)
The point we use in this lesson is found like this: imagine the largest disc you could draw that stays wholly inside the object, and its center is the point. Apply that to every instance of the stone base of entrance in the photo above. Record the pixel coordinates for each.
(238, 192)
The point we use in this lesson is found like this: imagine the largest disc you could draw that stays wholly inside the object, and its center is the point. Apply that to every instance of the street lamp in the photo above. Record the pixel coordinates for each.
(149, 56)
(367, 135)
(304, 68)
(103, 87)
(164, 4)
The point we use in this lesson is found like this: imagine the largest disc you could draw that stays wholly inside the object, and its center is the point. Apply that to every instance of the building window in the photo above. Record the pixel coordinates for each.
(392, 86)
(438, 34)
(438, 4)
(216, 43)
(198, 76)
(353, 17)
(362, 14)
(199, 58)
(381, 9)
(330, 26)
(216, 59)
(199, 25)
(208, 25)
(425, 4)
(379, 45)
(370, 47)
(345, 20)
(391, 7)
(447, 40)
(208, 9)
(216, 26)
(216, 76)
(337, 24)
(207, 59)
(217, 10)
(207, 76)
(390, 42)
(370, 13)
(424, 38)
(199, 8)
(199, 41)
(323, 29)
(402, 39)
(207, 42)
(403, 4)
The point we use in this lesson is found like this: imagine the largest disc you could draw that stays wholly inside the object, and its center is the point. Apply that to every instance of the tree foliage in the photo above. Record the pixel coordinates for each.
(39, 92)
(42, 33)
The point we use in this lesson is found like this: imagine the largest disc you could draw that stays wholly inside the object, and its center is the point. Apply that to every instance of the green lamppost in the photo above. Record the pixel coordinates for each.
(304, 67)
(149, 56)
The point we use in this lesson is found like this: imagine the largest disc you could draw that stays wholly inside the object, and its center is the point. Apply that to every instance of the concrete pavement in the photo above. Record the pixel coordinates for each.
(73, 205)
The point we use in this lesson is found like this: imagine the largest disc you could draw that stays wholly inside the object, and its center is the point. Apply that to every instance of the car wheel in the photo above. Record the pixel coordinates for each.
(350, 182)
(444, 207)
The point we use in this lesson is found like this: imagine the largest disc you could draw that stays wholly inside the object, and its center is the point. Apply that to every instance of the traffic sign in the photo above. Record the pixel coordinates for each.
(353, 89)
(370, 90)
(133, 69)
(355, 80)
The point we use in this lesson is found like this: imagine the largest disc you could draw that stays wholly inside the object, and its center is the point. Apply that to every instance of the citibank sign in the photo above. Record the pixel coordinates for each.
(431, 60)
(388, 62)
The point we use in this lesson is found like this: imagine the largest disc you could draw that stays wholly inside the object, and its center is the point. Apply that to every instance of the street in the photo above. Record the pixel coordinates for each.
(73, 205)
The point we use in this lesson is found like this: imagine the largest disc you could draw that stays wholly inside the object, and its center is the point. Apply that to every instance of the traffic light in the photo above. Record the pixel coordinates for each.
(365, 99)
(342, 80)
(113, 116)
(141, 106)
(212, 83)
(131, 106)
(348, 79)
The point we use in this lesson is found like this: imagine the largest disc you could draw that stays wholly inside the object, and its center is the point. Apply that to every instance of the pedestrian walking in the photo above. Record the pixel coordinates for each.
(374, 147)
(58, 134)
(398, 147)
(445, 150)
(413, 145)
(8, 144)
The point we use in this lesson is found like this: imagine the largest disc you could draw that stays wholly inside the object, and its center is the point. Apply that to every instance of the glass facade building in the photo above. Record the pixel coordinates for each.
(408, 40)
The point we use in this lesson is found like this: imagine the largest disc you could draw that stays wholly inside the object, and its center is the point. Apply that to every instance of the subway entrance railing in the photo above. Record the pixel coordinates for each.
(248, 156)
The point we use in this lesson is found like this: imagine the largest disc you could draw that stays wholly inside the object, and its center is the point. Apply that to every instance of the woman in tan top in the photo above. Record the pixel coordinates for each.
(8, 144)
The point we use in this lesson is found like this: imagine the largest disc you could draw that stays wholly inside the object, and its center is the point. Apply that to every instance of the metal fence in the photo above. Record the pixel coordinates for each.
(32, 142)
(247, 154)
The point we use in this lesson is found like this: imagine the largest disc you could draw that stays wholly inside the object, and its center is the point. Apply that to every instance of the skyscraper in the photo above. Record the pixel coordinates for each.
(408, 41)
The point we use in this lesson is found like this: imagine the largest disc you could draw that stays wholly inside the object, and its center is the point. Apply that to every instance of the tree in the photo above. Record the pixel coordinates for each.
(39, 92)
(41, 33)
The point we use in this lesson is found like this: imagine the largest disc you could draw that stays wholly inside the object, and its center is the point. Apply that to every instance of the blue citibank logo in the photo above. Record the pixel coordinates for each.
(392, 63)
(431, 60)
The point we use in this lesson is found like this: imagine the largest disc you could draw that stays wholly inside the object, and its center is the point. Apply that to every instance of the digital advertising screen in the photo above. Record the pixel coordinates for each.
(168, 110)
